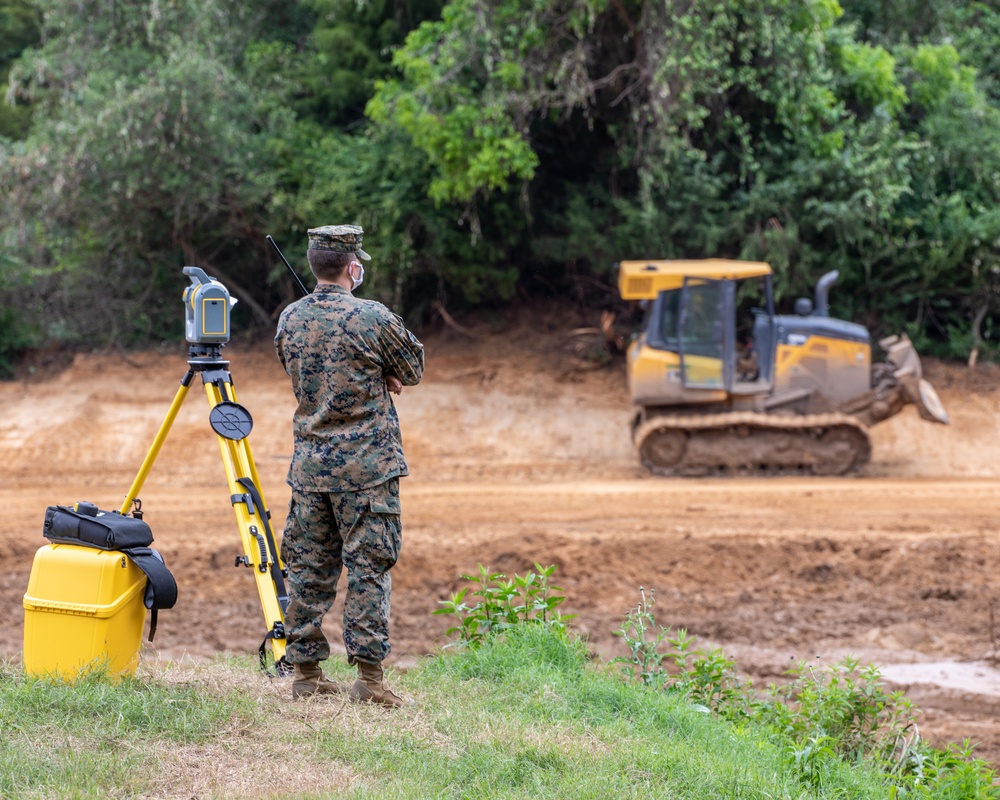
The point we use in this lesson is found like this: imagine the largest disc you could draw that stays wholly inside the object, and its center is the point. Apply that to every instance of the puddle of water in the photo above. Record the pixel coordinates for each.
(974, 677)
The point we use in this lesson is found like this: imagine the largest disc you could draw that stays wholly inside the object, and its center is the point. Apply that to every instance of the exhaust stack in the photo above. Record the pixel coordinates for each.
(823, 292)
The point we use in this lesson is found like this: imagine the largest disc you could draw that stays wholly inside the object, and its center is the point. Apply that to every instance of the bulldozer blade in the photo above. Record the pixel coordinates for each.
(930, 407)
(910, 374)
(901, 353)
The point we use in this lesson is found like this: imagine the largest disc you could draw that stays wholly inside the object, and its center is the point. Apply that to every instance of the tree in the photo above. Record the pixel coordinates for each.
(149, 151)
(19, 29)
(696, 119)
(349, 48)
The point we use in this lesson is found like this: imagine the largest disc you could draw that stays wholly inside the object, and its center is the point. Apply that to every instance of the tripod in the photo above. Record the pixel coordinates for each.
(232, 424)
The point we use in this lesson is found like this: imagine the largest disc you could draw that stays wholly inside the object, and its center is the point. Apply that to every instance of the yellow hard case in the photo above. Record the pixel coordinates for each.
(83, 608)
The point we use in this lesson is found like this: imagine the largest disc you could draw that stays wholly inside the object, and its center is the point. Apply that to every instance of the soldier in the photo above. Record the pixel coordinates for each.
(344, 355)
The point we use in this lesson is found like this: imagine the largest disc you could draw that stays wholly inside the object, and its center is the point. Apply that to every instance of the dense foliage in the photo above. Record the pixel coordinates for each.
(496, 148)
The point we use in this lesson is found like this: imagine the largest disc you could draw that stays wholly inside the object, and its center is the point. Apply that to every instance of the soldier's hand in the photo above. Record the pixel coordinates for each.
(393, 384)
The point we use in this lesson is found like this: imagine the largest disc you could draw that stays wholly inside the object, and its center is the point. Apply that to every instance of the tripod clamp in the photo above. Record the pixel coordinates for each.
(227, 418)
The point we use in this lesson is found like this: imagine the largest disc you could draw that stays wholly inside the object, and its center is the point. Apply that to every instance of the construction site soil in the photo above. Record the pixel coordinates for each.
(520, 454)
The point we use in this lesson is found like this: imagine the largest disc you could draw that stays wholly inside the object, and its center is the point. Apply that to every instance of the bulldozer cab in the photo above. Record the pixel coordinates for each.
(716, 315)
(704, 330)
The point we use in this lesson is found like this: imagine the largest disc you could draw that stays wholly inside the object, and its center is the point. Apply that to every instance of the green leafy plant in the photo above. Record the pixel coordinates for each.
(504, 603)
(708, 677)
(844, 710)
(848, 705)
(705, 676)
(952, 774)
(643, 638)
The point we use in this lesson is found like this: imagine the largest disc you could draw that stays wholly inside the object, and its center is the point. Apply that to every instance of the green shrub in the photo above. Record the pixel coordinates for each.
(503, 604)
(846, 707)
(704, 676)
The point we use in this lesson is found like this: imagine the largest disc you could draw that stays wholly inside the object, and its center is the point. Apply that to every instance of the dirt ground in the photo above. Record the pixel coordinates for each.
(516, 457)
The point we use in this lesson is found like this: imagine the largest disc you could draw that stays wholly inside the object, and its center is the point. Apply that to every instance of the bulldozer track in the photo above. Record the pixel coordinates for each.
(748, 443)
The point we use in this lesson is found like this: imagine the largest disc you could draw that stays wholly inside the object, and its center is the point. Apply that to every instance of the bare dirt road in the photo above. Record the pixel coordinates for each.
(516, 457)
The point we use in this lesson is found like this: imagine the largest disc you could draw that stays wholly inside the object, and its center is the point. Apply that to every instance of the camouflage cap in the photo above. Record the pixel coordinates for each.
(339, 238)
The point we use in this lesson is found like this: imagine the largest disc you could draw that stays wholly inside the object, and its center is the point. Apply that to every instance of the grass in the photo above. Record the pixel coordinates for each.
(87, 739)
(515, 710)
(523, 715)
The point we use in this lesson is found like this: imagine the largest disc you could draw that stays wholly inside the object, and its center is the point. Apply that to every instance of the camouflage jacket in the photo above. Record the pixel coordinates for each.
(337, 349)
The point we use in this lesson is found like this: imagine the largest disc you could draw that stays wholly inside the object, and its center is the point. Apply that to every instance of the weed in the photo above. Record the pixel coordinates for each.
(643, 638)
(503, 604)
(954, 774)
(706, 677)
(847, 705)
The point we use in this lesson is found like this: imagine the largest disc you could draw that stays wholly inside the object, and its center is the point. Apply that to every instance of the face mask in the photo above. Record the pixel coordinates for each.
(358, 280)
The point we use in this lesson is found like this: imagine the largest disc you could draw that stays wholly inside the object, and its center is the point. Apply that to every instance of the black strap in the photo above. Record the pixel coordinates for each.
(281, 667)
(256, 503)
(276, 576)
(161, 588)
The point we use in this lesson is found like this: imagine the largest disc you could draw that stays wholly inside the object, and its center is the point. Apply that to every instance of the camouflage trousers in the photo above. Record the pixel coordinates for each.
(326, 532)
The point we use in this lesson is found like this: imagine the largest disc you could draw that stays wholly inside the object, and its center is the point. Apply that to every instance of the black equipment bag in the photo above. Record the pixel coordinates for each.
(106, 530)
(88, 526)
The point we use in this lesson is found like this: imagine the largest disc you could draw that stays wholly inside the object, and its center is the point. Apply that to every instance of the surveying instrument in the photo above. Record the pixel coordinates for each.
(207, 306)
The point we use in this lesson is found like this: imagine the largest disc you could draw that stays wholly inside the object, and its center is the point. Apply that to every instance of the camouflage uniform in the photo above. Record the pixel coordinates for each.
(348, 456)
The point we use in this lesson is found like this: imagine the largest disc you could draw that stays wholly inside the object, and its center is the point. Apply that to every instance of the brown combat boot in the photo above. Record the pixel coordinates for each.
(309, 680)
(371, 687)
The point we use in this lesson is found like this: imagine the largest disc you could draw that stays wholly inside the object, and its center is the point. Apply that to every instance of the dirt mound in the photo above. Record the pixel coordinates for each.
(519, 452)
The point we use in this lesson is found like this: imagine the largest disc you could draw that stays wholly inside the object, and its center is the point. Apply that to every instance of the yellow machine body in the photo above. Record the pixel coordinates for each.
(838, 368)
(83, 608)
(654, 376)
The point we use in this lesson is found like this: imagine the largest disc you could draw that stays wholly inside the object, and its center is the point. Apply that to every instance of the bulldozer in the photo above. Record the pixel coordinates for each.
(724, 385)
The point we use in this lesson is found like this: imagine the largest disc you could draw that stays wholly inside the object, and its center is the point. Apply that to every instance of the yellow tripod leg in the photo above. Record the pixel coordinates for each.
(260, 551)
(154, 449)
